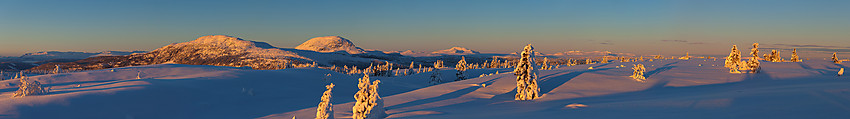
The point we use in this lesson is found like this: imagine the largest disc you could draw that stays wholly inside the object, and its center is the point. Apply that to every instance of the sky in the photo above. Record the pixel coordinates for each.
(668, 27)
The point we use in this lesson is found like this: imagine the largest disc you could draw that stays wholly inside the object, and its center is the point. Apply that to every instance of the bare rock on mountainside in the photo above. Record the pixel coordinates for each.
(218, 50)
(330, 44)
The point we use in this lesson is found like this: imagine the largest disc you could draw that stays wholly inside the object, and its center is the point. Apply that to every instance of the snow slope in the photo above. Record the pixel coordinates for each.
(674, 89)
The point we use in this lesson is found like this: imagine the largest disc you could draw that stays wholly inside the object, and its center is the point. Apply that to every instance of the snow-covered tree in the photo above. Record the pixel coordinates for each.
(638, 73)
(325, 109)
(588, 61)
(835, 58)
(686, 57)
(755, 51)
(774, 56)
(369, 104)
(461, 68)
(794, 57)
(495, 63)
(841, 72)
(753, 64)
(526, 76)
(603, 61)
(28, 88)
(438, 64)
(139, 75)
(410, 69)
(545, 64)
(733, 61)
(435, 77)
(57, 70)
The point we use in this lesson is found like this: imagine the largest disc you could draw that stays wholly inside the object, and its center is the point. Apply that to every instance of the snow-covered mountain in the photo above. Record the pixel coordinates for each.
(450, 51)
(455, 51)
(330, 44)
(218, 50)
(48, 55)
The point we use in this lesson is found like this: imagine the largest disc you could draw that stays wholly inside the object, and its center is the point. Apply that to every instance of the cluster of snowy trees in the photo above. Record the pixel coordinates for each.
(773, 56)
(28, 88)
(638, 73)
(368, 103)
(735, 65)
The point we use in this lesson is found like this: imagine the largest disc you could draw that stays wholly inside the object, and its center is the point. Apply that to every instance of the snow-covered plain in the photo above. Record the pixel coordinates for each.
(695, 88)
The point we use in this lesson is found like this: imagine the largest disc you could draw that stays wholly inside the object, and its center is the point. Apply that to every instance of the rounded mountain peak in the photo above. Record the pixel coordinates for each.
(456, 51)
(330, 44)
(227, 41)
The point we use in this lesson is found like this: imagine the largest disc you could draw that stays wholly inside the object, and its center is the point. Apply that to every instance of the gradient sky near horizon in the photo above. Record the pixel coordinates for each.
(669, 27)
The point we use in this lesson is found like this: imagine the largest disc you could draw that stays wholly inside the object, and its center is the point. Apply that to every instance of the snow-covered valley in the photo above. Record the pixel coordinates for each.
(696, 88)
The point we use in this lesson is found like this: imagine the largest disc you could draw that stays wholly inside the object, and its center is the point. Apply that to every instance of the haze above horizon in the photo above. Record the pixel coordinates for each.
(639, 27)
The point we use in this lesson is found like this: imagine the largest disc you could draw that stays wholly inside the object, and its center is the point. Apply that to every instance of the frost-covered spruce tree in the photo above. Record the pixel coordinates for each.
(604, 60)
(28, 88)
(461, 68)
(588, 61)
(369, 104)
(733, 61)
(526, 76)
(734, 57)
(545, 63)
(435, 77)
(754, 65)
(835, 59)
(325, 109)
(495, 63)
(775, 56)
(755, 51)
(794, 57)
(638, 73)
(57, 70)
(410, 69)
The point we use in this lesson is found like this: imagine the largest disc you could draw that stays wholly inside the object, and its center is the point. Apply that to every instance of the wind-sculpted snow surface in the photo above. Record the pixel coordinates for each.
(693, 89)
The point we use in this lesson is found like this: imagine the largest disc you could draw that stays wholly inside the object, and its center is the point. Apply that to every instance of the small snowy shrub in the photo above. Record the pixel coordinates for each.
(638, 73)
(435, 77)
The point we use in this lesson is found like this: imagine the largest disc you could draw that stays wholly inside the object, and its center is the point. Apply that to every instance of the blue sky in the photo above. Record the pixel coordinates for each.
(671, 27)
